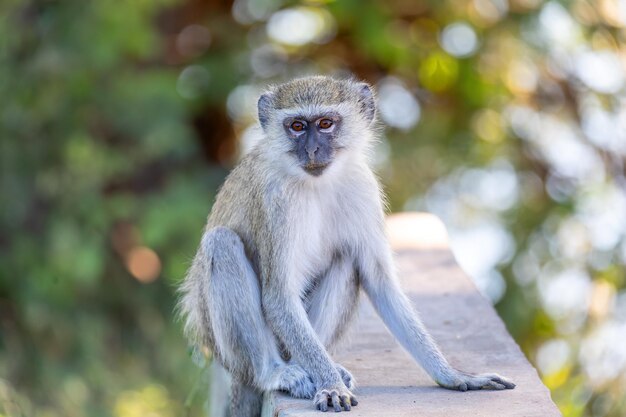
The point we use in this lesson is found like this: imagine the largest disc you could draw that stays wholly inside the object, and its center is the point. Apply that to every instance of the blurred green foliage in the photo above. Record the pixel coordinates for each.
(119, 120)
(94, 137)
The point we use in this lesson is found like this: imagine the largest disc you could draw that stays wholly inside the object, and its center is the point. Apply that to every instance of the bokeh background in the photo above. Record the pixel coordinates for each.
(119, 120)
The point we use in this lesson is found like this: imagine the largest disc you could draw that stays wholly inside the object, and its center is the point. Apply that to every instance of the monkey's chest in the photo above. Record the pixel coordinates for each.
(312, 250)
(313, 243)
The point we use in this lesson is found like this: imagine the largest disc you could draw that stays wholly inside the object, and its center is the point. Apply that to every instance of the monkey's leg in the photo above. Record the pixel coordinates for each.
(332, 307)
(243, 341)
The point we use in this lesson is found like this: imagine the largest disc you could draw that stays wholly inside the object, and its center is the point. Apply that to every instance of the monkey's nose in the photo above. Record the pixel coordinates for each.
(311, 151)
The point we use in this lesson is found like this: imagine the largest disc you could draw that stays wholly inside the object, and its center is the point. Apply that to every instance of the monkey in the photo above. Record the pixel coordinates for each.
(295, 232)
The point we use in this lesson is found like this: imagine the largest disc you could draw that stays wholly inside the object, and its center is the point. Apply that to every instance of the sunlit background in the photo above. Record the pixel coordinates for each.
(119, 120)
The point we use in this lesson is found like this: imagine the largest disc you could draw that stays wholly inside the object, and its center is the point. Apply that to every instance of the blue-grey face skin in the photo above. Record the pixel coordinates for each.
(313, 140)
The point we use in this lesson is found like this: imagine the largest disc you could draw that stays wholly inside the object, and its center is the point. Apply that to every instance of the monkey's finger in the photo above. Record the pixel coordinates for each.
(501, 380)
(353, 401)
(483, 383)
(322, 405)
(322, 402)
(508, 384)
(494, 385)
(336, 405)
(345, 402)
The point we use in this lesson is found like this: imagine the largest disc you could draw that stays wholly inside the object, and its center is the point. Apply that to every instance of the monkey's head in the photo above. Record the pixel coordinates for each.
(311, 122)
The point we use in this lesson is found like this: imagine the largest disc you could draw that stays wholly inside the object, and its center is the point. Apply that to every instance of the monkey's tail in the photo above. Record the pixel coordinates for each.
(245, 401)
(192, 306)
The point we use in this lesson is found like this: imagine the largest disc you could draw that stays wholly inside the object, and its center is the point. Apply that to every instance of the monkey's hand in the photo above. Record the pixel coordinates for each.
(296, 381)
(464, 381)
(340, 398)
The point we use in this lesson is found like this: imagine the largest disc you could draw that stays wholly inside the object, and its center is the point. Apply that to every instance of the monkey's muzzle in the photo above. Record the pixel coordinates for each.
(315, 168)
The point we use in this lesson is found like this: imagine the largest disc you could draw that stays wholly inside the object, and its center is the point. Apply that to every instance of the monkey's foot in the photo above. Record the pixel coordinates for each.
(297, 382)
(346, 376)
(464, 381)
(338, 398)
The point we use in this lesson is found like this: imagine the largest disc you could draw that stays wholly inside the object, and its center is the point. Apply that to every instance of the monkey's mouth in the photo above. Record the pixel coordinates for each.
(315, 168)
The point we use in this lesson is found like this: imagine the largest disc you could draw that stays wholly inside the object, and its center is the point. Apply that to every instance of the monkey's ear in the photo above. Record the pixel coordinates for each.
(264, 107)
(367, 101)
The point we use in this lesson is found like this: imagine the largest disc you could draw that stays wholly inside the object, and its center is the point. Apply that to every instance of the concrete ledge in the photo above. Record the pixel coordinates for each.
(463, 322)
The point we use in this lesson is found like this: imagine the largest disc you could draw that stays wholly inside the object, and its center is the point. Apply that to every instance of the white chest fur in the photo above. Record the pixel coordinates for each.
(312, 239)
(327, 217)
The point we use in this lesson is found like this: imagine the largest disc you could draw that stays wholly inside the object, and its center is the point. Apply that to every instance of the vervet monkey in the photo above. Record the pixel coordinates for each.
(296, 230)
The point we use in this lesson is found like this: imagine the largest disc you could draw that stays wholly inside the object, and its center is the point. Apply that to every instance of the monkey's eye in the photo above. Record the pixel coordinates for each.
(297, 126)
(325, 124)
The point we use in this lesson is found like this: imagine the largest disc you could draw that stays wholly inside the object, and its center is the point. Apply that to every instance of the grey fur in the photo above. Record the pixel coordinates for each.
(276, 279)
(245, 401)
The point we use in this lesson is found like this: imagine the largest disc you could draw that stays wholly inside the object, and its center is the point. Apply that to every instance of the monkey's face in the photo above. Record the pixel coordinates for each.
(313, 140)
(313, 125)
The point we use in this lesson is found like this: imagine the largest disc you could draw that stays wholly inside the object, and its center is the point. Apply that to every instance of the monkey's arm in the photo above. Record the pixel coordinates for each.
(379, 281)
